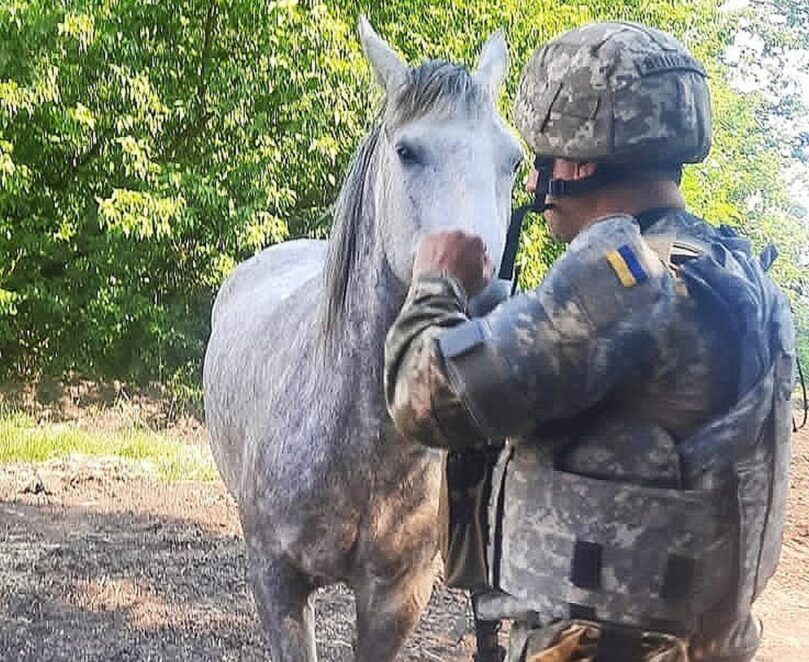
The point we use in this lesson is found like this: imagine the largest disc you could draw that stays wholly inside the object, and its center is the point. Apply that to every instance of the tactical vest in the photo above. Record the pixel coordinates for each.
(565, 545)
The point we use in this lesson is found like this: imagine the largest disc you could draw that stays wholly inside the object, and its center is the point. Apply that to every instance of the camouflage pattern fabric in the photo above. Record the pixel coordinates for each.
(615, 92)
(548, 514)
(581, 339)
(435, 303)
(609, 362)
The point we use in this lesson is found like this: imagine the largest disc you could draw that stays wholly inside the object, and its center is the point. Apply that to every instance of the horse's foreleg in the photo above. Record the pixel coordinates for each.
(388, 611)
(282, 595)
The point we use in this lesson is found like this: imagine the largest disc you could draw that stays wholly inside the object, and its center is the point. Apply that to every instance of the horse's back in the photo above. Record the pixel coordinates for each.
(268, 278)
(255, 319)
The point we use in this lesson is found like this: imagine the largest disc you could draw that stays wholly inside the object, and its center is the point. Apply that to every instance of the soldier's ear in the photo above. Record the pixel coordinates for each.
(390, 71)
(492, 64)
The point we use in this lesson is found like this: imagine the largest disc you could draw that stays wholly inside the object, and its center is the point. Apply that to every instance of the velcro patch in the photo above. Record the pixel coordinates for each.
(460, 339)
(627, 266)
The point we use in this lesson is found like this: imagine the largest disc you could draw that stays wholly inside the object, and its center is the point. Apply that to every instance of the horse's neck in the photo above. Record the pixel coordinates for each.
(373, 300)
(374, 297)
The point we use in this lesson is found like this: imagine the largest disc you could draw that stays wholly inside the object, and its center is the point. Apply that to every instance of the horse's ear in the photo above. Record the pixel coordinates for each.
(493, 63)
(390, 70)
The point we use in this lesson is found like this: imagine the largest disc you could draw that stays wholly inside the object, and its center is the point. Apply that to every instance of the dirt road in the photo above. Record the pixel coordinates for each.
(100, 561)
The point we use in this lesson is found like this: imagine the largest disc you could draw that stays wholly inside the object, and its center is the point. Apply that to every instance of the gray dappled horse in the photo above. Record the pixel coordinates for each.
(328, 491)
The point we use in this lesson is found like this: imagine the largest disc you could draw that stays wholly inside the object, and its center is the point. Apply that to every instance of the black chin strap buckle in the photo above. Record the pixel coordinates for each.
(544, 168)
(538, 205)
(513, 241)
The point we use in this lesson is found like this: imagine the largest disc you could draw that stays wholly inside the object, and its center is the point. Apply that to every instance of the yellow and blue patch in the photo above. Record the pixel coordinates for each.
(627, 266)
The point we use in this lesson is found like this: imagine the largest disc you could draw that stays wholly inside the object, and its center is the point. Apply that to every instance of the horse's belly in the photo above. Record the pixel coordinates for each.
(349, 520)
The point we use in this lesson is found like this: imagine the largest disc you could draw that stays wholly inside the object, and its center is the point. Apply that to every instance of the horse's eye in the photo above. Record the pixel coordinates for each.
(406, 153)
(516, 165)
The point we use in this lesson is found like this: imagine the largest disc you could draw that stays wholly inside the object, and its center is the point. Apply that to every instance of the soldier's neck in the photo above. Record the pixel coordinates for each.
(646, 194)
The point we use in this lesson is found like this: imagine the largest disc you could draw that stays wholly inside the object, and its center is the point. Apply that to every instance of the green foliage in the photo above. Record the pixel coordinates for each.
(147, 146)
(22, 440)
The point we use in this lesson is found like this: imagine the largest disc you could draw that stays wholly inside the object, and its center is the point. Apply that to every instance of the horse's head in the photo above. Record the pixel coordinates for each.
(445, 157)
(438, 158)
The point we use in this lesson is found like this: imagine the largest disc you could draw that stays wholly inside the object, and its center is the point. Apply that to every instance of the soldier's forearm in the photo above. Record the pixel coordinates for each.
(420, 398)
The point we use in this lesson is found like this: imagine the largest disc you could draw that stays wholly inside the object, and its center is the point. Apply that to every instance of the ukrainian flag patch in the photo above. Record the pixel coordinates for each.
(627, 266)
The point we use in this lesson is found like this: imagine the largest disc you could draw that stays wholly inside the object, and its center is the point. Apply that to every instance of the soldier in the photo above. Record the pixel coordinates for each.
(640, 395)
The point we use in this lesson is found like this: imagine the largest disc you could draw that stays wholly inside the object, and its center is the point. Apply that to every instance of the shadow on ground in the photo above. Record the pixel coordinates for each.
(98, 562)
(120, 585)
(104, 578)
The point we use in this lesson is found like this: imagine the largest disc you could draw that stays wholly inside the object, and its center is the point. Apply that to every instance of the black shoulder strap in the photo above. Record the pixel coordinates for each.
(649, 217)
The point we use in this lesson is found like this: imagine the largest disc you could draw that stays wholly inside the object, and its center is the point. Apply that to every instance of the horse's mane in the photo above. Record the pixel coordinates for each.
(435, 88)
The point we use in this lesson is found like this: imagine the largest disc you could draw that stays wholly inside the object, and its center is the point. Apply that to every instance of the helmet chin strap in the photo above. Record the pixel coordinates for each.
(515, 226)
(565, 188)
(548, 186)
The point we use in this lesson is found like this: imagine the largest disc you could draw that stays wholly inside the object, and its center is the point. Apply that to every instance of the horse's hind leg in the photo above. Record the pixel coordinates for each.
(387, 611)
(282, 595)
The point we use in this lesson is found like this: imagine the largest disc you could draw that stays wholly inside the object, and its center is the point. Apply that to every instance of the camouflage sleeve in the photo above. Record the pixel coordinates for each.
(594, 323)
(420, 399)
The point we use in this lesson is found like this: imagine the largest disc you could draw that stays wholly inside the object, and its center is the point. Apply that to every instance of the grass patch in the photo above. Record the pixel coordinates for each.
(23, 440)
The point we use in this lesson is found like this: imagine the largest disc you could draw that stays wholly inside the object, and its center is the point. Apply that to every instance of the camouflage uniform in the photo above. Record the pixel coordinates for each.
(578, 340)
(634, 351)
(605, 379)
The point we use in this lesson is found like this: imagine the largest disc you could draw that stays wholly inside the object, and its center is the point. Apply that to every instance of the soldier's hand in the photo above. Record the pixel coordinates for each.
(463, 256)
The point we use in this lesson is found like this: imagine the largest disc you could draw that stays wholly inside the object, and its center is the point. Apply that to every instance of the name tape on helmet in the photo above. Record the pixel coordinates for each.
(655, 64)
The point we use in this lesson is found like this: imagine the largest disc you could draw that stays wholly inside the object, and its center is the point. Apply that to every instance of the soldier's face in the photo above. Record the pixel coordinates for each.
(565, 216)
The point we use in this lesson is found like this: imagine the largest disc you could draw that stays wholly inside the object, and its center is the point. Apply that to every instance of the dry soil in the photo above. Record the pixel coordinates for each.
(99, 560)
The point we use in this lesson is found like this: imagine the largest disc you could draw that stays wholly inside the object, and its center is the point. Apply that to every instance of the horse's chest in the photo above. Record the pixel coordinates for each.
(404, 506)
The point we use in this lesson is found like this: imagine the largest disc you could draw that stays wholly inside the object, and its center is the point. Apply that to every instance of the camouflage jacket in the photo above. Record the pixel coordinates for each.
(610, 368)
(611, 331)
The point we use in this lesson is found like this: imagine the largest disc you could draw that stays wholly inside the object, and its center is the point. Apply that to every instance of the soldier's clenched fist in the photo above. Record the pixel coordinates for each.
(462, 256)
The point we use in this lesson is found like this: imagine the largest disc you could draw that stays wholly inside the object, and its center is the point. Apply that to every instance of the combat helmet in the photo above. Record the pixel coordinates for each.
(618, 93)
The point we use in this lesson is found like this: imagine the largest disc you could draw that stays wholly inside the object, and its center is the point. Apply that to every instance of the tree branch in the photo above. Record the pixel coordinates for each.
(193, 129)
